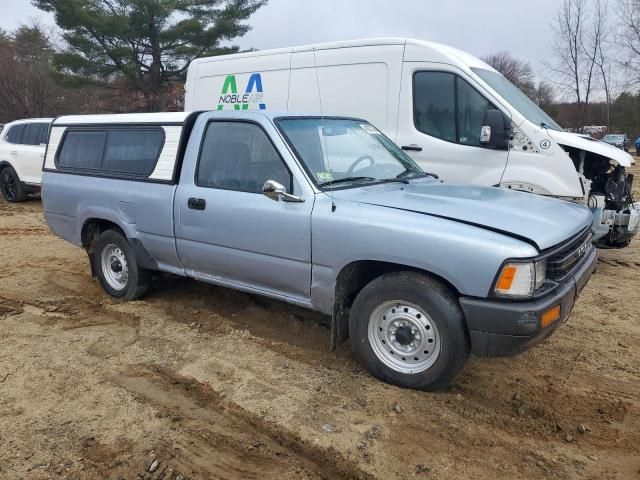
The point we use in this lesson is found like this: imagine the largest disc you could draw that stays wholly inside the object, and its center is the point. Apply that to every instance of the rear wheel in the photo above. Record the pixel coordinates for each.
(116, 266)
(408, 330)
(11, 187)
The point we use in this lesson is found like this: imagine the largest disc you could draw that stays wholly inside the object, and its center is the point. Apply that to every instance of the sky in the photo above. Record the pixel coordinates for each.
(479, 27)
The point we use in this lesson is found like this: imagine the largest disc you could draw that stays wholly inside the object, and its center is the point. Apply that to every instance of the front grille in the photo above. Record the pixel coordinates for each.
(562, 262)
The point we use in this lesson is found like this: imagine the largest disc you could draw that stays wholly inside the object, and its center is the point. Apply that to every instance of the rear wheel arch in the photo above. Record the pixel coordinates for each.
(92, 228)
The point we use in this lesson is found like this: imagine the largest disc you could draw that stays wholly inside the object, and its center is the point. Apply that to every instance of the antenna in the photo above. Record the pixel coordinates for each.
(324, 139)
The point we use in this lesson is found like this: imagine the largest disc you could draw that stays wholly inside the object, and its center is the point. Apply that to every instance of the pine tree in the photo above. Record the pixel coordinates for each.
(147, 42)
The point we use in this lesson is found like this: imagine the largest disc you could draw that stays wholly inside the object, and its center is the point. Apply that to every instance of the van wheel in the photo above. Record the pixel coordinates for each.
(408, 330)
(116, 266)
(11, 187)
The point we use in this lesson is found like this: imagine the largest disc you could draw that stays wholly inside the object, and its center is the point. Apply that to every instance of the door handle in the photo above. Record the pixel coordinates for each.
(196, 203)
(14, 152)
(411, 148)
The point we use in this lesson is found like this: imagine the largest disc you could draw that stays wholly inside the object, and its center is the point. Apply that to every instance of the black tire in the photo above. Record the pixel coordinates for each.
(12, 188)
(138, 279)
(438, 303)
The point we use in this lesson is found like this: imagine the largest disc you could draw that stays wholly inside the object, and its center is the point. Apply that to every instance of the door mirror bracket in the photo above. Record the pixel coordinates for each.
(276, 191)
(495, 131)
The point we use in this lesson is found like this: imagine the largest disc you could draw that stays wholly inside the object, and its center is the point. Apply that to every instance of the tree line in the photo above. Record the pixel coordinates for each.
(593, 76)
(132, 56)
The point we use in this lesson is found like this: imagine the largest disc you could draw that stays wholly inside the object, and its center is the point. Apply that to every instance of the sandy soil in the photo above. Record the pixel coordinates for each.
(196, 381)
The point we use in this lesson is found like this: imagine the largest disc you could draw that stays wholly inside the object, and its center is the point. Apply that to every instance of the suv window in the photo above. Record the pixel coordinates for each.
(447, 107)
(133, 151)
(14, 133)
(239, 156)
(35, 134)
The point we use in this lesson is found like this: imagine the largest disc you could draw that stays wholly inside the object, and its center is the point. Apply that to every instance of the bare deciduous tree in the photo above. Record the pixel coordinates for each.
(516, 71)
(578, 38)
(27, 88)
(629, 39)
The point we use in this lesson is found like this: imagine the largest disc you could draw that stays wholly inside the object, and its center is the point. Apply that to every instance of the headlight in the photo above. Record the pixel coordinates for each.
(521, 279)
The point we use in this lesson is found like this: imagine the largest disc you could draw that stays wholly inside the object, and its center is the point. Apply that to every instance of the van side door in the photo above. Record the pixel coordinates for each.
(227, 231)
(440, 120)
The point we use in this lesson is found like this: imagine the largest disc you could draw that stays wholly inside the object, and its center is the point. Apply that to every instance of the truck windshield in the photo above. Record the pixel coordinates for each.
(518, 100)
(343, 153)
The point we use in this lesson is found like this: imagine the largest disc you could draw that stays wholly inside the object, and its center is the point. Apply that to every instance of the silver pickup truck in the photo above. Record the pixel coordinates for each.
(322, 212)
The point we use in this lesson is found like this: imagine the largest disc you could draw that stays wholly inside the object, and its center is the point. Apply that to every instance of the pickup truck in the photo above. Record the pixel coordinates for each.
(325, 213)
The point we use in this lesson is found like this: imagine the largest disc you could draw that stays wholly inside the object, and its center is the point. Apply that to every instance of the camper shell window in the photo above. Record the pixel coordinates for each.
(111, 151)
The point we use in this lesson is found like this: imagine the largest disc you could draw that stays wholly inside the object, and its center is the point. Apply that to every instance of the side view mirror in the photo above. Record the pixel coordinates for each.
(495, 130)
(276, 191)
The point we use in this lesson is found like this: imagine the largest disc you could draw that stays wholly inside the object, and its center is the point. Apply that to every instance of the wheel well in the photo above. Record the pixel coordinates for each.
(93, 227)
(353, 278)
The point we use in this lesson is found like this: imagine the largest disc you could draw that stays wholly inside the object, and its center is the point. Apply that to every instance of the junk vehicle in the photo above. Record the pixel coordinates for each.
(325, 213)
(22, 146)
(439, 104)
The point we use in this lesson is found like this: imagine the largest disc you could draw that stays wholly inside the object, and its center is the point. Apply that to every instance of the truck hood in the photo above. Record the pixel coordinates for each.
(545, 222)
(589, 144)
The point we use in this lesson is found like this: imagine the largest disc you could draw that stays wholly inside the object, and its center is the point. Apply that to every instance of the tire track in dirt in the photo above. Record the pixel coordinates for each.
(232, 443)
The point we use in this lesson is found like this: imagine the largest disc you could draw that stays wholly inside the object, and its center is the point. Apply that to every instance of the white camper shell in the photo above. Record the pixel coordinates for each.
(440, 105)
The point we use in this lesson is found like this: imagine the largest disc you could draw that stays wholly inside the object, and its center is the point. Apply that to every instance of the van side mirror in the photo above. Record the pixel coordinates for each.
(276, 191)
(495, 130)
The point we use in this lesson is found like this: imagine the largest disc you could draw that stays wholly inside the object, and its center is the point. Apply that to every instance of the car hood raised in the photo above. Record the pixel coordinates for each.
(545, 222)
(589, 144)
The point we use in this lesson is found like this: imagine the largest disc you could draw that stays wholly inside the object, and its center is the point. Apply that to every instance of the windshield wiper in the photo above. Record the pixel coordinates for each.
(393, 180)
(406, 173)
(345, 179)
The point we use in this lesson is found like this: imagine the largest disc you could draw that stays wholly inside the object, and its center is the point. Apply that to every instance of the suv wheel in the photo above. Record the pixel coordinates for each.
(116, 266)
(11, 187)
(408, 330)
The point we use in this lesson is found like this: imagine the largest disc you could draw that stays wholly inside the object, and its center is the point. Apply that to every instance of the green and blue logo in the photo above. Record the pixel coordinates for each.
(253, 95)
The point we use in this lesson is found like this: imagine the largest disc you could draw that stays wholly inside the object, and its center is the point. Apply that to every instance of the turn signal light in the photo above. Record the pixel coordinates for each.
(506, 279)
(550, 316)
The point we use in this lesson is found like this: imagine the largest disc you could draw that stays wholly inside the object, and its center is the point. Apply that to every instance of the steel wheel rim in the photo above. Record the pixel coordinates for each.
(404, 337)
(8, 185)
(115, 267)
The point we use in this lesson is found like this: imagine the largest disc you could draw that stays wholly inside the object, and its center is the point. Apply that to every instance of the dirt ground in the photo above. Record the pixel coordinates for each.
(198, 382)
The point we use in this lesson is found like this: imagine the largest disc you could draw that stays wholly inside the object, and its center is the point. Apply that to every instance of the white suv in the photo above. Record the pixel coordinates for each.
(22, 147)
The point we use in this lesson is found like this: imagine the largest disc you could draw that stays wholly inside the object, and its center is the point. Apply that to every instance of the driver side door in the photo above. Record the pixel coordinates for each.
(441, 118)
(227, 230)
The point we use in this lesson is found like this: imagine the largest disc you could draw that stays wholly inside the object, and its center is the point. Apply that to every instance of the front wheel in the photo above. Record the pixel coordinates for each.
(116, 267)
(408, 330)
(11, 187)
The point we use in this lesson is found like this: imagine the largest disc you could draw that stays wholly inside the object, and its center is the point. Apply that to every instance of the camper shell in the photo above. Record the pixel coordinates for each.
(433, 101)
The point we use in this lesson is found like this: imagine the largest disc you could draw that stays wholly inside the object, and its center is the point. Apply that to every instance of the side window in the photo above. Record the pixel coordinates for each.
(82, 150)
(14, 134)
(472, 108)
(112, 151)
(434, 104)
(239, 156)
(133, 151)
(447, 107)
(43, 134)
(34, 134)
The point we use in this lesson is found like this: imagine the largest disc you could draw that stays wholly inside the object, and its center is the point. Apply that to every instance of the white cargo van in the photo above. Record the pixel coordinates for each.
(453, 113)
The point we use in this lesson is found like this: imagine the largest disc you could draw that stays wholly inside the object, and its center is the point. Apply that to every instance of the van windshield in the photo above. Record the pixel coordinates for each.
(514, 96)
(342, 153)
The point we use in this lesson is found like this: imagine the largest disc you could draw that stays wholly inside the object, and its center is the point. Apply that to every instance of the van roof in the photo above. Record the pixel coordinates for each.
(454, 53)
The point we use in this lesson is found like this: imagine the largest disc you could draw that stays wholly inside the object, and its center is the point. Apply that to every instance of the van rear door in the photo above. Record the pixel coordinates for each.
(440, 119)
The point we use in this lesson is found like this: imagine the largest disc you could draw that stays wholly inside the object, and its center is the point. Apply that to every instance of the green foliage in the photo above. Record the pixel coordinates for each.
(148, 42)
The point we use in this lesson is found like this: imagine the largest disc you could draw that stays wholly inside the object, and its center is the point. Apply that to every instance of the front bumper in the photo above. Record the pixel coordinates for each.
(501, 328)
